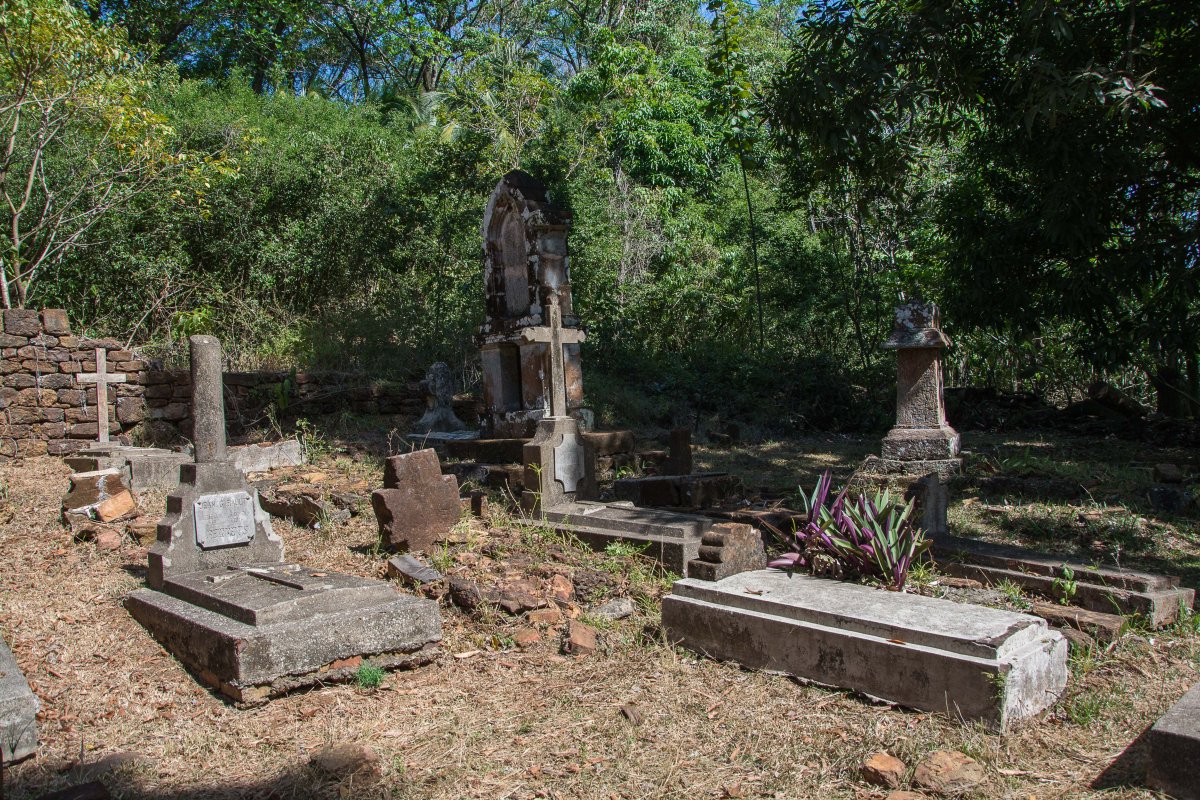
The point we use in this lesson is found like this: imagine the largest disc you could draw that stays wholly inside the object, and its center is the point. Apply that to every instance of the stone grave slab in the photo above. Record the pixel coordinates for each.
(969, 662)
(143, 467)
(697, 490)
(1174, 746)
(1109, 590)
(670, 538)
(222, 599)
(18, 710)
(266, 456)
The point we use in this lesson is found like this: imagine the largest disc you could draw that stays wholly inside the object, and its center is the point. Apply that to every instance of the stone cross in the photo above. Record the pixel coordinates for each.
(556, 336)
(101, 377)
(208, 399)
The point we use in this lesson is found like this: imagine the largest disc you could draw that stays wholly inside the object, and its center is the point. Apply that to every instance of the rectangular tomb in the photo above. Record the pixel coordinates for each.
(255, 631)
(966, 661)
(1174, 745)
(18, 710)
(672, 539)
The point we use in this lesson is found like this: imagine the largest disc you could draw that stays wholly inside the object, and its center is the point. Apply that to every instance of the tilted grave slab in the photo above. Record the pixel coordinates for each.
(18, 710)
(968, 662)
(143, 467)
(1174, 746)
(222, 599)
(670, 538)
(1157, 598)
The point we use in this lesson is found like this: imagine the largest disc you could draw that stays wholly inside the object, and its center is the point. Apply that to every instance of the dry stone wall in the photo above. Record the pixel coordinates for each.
(44, 409)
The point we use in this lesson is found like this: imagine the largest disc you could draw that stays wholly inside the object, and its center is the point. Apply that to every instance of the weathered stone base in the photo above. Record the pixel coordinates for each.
(1157, 598)
(143, 467)
(18, 710)
(966, 661)
(250, 663)
(727, 549)
(670, 538)
(920, 444)
(1174, 745)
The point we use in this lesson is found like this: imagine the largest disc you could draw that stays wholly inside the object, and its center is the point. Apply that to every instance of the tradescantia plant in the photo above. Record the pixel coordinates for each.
(872, 535)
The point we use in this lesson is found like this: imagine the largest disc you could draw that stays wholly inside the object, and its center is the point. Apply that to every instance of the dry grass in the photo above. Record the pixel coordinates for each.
(502, 723)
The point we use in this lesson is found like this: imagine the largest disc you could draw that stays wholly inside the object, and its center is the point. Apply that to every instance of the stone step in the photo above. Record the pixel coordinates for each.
(969, 662)
(1174, 747)
(1160, 607)
(1031, 561)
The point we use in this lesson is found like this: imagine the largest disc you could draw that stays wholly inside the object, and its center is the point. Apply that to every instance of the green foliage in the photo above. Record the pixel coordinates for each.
(368, 676)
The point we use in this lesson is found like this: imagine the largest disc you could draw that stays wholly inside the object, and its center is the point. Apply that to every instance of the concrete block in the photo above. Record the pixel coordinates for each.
(267, 456)
(969, 662)
(1174, 747)
(18, 710)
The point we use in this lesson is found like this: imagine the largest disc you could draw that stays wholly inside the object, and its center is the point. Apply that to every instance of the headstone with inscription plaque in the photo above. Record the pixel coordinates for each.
(222, 599)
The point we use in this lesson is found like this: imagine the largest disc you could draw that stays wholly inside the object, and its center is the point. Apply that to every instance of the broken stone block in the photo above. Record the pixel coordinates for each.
(101, 495)
(883, 769)
(266, 456)
(948, 772)
(18, 710)
(971, 662)
(614, 610)
(526, 637)
(727, 549)
(418, 504)
(412, 569)
(1174, 747)
(580, 639)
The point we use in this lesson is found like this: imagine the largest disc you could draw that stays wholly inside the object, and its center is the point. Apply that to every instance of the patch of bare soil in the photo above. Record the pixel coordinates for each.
(491, 719)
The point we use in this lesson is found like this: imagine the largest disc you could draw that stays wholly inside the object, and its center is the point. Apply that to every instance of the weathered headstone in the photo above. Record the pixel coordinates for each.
(438, 388)
(18, 710)
(102, 378)
(417, 505)
(680, 460)
(526, 262)
(225, 603)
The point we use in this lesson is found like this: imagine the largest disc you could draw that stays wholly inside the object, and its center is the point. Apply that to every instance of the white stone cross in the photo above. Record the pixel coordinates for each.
(556, 336)
(101, 377)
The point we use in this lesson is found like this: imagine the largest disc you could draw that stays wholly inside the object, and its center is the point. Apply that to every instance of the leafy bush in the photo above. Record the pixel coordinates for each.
(873, 536)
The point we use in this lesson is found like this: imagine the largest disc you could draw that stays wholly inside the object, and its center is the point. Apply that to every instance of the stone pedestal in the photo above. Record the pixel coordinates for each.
(968, 662)
(559, 466)
(18, 710)
(920, 453)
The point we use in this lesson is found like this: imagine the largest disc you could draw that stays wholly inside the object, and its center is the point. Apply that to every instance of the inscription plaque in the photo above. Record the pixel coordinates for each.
(568, 462)
(224, 519)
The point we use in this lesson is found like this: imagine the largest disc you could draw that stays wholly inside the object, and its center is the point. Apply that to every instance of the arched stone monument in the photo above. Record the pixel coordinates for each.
(526, 262)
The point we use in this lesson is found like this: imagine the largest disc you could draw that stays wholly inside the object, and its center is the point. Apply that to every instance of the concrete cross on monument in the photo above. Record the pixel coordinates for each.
(101, 377)
(555, 335)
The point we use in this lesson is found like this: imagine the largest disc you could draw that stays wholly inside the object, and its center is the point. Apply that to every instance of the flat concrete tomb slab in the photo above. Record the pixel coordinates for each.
(260, 630)
(966, 661)
(1109, 590)
(143, 467)
(18, 710)
(671, 538)
(1174, 745)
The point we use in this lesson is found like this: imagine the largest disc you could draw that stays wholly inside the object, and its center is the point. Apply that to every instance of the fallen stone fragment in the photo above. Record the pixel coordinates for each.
(630, 712)
(620, 608)
(467, 595)
(412, 570)
(526, 637)
(348, 759)
(1078, 639)
(145, 533)
(100, 494)
(562, 589)
(948, 772)
(544, 616)
(107, 540)
(580, 639)
(1105, 627)
(479, 504)
(883, 769)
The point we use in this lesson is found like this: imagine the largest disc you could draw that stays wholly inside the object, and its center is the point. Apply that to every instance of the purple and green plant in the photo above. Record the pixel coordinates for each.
(872, 535)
